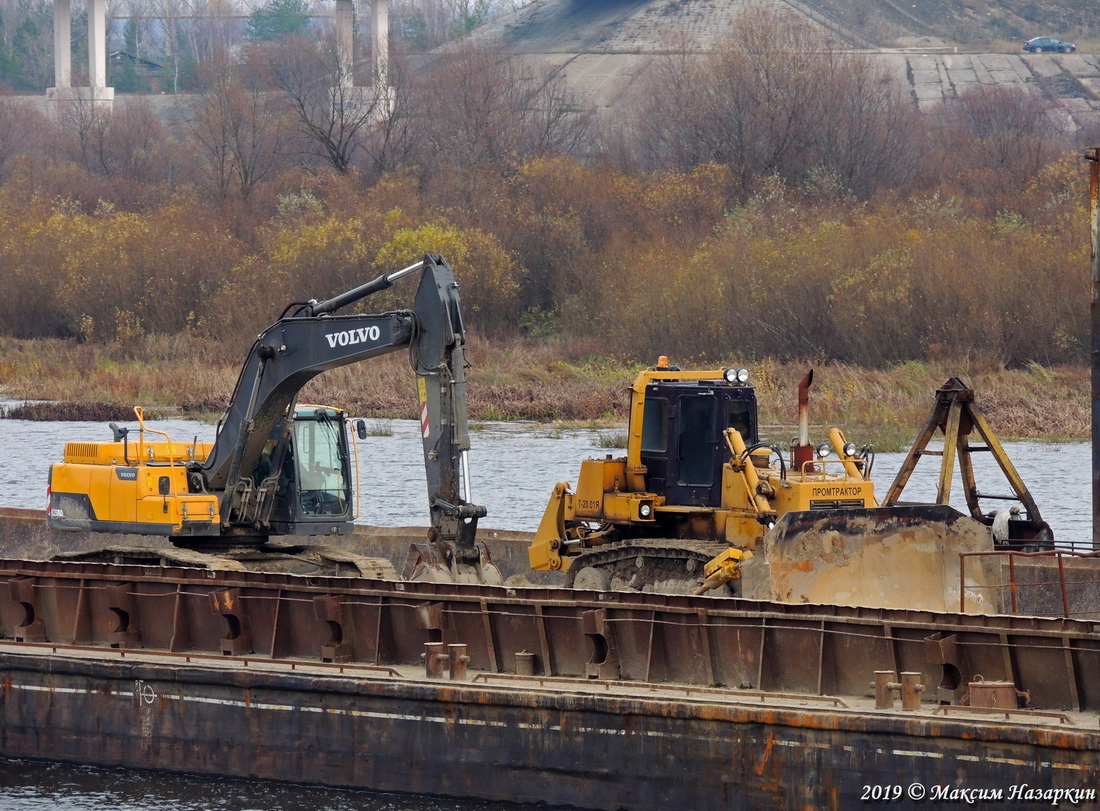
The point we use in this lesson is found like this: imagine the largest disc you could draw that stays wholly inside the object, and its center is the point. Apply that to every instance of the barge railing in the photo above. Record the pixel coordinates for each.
(1036, 583)
(736, 644)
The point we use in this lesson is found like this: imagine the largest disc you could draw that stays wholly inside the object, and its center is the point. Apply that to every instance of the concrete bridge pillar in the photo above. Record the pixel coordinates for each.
(97, 92)
(62, 44)
(380, 39)
(97, 44)
(380, 92)
(345, 40)
(380, 50)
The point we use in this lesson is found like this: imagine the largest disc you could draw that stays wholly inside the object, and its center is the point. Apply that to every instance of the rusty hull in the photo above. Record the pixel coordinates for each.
(652, 638)
(507, 741)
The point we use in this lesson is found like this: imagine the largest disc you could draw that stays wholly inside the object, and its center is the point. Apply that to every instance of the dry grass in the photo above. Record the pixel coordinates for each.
(546, 382)
(886, 407)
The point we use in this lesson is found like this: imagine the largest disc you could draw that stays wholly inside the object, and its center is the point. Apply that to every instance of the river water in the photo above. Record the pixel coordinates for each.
(513, 468)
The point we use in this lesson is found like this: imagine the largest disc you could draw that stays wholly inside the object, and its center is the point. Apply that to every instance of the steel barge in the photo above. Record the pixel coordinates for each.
(596, 700)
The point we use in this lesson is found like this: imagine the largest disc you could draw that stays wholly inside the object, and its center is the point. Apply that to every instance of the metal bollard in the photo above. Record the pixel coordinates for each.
(911, 688)
(459, 660)
(884, 689)
(996, 694)
(434, 657)
(525, 663)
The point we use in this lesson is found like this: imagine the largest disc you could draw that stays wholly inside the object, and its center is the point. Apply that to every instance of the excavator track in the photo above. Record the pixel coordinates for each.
(308, 559)
(662, 566)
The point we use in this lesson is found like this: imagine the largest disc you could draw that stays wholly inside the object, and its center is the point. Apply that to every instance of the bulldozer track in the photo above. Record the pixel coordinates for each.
(661, 565)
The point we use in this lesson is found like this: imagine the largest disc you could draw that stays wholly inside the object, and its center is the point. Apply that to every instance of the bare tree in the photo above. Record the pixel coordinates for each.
(393, 140)
(82, 129)
(1000, 128)
(318, 85)
(19, 124)
(668, 134)
(128, 141)
(777, 98)
(555, 120)
(479, 106)
(213, 33)
(867, 132)
(238, 131)
(170, 11)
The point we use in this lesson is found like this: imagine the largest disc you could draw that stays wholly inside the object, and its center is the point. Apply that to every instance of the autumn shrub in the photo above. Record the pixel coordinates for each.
(990, 143)
(29, 262)
(487, 274)
(667, 304)
(572, 226)
(872, 284)
(123, 274)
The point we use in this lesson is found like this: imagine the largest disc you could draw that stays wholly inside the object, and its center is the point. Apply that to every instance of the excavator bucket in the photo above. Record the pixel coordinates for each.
(886, 557)
(442, 563)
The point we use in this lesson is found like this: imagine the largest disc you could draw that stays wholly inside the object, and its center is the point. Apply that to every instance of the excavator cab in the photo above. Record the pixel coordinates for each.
(314, 484)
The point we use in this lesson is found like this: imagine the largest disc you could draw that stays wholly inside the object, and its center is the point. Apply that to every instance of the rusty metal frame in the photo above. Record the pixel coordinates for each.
(1093, 156)
(661, 639)
(957, 415)
(1058, 555)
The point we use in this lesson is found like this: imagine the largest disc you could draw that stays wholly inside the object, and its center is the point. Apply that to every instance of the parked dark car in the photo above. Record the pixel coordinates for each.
(1040, 44)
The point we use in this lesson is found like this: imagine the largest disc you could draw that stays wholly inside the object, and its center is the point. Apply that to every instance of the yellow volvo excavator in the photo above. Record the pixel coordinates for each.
(699, 499)
(277, 468)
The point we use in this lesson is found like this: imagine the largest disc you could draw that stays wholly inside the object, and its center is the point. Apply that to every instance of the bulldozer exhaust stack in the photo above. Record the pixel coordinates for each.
(803, 452)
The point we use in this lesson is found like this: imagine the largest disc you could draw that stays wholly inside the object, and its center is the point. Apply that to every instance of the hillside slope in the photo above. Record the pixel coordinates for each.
(971, 23)
(939, 48)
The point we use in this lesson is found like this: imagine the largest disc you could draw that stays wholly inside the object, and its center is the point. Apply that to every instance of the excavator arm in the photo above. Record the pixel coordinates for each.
(285, 357)
(312, 339)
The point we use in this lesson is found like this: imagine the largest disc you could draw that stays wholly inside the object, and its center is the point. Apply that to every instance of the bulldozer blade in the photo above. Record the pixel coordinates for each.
(887, 557)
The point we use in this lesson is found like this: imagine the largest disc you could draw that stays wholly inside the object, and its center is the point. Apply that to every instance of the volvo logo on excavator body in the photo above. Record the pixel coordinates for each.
(350, 337)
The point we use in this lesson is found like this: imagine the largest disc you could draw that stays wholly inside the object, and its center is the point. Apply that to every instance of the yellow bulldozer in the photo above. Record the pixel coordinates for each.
(700, 501)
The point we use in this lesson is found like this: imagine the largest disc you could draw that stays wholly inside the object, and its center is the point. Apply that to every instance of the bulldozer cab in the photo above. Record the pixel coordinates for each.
(682, 423)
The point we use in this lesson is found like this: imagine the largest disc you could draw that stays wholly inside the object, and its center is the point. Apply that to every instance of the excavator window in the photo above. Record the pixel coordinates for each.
(696, 441)
(322, 483)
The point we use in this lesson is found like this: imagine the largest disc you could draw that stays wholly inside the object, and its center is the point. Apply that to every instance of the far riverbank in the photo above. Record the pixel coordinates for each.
(558, 383)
